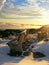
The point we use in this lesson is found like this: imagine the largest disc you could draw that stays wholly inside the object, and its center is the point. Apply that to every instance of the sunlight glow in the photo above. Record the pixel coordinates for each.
(23, 23)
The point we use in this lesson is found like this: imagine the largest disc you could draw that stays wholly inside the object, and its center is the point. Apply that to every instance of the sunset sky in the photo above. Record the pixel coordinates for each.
(25, 11)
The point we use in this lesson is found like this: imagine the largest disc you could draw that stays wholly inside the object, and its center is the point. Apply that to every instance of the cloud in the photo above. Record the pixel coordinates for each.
(31, 1)
(26, 10)
(21, 11)
(2, 3)
(31, 9)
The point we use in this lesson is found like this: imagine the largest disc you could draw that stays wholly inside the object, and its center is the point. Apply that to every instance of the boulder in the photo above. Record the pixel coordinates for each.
(38, 55)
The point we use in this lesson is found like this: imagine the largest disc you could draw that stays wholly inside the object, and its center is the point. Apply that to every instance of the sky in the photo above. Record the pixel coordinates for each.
(25, 11)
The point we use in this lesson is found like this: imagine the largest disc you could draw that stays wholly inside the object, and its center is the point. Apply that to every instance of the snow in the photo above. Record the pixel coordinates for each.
(41, 46)
(4, 41)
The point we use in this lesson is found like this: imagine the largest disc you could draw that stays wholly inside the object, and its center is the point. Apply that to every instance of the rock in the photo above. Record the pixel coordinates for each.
(46, 39)
(14, 53)
(27, 53)
(26, 46)
(32, 46)
(11, 37)
(38, 55)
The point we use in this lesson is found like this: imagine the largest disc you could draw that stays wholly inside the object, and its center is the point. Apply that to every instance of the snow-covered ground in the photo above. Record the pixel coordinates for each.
(29, 60)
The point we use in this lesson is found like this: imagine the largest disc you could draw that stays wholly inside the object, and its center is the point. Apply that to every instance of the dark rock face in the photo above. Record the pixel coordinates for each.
(38, 55)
